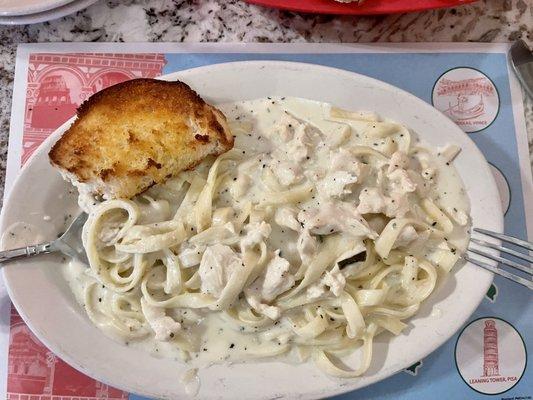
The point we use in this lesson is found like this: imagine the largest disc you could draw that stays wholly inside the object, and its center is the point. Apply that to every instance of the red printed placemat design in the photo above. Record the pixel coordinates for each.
(57, 85)
(36, 373)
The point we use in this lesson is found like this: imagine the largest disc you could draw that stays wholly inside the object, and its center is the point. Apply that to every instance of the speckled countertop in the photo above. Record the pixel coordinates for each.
(236, 21)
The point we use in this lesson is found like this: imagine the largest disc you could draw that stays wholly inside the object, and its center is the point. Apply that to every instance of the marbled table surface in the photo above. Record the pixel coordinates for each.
(237, 21)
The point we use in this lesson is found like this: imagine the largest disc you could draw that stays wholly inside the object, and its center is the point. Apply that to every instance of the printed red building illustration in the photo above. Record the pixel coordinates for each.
(490, 349)
(57, 84)
(469, 95)
(36, 373)
(53, 104)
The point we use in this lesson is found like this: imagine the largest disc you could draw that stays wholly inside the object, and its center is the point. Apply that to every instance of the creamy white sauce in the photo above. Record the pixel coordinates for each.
(21, 234)
(217, 339)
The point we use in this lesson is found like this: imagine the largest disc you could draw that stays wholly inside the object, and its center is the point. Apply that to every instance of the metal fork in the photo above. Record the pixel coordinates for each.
(522, 61)
(527, 269)
(69, 243)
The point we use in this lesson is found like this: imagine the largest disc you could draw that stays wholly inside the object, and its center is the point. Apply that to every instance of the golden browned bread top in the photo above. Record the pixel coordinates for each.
(139, 133)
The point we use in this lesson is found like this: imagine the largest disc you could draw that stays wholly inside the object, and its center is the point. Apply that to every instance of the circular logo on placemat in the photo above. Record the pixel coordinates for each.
(490, 355)
(468, 97)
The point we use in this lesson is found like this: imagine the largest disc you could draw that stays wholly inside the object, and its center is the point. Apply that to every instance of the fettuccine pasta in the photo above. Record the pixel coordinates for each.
(321, 229)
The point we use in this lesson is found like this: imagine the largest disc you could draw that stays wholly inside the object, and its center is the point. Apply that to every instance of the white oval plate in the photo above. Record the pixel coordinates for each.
(25, 7)
(46, 304)
(69, 7)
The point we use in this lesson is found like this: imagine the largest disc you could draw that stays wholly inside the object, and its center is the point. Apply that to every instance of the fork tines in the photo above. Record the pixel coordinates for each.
(527, 269)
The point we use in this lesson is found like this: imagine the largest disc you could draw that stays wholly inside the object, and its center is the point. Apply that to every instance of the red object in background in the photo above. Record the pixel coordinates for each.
(369, 7)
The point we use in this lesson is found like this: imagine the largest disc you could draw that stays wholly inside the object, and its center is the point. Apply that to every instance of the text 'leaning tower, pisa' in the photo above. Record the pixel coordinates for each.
(490, 349)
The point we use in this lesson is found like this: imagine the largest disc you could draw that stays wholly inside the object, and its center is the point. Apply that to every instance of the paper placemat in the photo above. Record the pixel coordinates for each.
(470, 83)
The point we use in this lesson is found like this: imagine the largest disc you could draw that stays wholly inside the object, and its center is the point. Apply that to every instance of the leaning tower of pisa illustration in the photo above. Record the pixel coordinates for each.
(490, 349)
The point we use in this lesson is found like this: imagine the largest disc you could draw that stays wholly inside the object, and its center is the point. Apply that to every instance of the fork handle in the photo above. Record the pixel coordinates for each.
(23, 252)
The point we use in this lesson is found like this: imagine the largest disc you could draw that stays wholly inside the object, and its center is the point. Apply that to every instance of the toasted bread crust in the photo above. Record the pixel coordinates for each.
(138, 133)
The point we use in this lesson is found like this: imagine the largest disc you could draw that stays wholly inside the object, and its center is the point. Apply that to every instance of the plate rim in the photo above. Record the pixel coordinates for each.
(56, 349)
